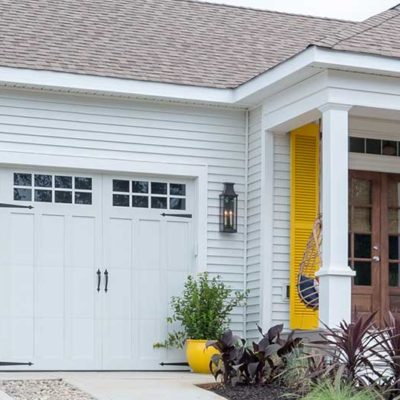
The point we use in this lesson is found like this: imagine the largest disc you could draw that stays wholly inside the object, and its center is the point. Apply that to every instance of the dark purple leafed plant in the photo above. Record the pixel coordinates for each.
(350, 348)
(262, 363)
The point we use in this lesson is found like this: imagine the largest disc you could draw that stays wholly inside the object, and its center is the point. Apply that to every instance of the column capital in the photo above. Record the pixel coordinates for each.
(338, 271)
(334, 106)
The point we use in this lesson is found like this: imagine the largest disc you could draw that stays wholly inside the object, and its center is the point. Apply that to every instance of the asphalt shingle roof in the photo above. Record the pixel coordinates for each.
(175, 41)
(379, 35)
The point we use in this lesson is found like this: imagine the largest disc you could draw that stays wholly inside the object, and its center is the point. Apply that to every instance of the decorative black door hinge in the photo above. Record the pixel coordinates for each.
(177, 215)
(4, 205)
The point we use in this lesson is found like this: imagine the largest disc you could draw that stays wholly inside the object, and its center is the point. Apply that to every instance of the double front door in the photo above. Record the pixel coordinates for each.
(374, 242)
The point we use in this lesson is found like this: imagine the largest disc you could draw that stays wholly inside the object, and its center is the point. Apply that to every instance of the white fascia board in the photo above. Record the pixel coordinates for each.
(248, 94)
(358, 62)
(28, 78)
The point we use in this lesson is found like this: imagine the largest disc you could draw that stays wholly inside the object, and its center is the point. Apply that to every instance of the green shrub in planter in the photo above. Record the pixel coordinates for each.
(203, 310)
(326, 390)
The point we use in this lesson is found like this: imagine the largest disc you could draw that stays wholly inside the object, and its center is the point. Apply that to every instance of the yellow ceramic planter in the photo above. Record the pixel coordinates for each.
(198, 356)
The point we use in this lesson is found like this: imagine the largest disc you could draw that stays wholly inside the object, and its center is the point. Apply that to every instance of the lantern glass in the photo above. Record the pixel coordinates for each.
(228, 209)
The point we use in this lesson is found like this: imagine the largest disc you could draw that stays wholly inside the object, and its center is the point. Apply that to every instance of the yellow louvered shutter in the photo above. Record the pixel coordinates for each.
(304, 201)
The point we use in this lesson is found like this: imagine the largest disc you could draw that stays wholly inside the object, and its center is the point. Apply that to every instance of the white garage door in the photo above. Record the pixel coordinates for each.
(86, 275)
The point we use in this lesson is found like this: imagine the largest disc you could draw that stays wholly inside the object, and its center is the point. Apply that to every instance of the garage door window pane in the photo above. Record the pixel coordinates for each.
(120, 186)
(43, 196)
(140, 201)
(83, 198)
(158, 188)
(43, 181)
(121, 200)
(83, 183)
(63, 197)
(140, 187)
(176, 189)
(158, 202)
(177, 203)
(23, 194)
(63, 182)
(22, 179)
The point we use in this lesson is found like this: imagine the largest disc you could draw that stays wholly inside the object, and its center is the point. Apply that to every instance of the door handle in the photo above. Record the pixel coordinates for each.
(98, 280)
(106, 285)
(376, 259)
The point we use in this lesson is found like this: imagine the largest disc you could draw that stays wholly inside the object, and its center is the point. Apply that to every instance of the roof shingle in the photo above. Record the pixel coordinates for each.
(175, 41)
(378, 35)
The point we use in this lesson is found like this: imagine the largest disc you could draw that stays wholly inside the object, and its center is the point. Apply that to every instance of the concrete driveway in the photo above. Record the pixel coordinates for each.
(130, 385)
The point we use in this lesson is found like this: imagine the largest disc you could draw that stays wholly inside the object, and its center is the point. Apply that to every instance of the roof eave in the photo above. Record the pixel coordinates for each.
(306, 63)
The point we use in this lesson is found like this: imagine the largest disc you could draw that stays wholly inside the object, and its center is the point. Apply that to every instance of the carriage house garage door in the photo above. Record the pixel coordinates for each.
(85, 276)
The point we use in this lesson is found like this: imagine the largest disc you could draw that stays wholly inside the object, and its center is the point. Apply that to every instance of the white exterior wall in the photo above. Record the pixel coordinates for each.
(281, 229)
(254, 222)
(101, 128)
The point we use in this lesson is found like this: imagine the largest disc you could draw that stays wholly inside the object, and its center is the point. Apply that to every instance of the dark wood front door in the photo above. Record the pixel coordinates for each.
(374, 242)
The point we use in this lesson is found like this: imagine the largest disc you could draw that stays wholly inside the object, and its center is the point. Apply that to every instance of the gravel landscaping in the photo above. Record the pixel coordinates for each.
(46, 389)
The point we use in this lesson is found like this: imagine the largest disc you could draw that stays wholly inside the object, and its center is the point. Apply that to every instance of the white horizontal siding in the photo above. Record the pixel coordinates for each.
(253, 224)
(281, 229)
(45, 123)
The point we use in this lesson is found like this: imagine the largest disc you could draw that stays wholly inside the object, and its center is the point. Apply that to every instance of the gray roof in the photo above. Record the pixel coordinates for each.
(176, 41)
(379, 35)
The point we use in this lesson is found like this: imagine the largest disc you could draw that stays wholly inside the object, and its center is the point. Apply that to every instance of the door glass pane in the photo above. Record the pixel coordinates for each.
(361, 192)
(394, 275)
(362, 246)
(394, 221)
(394, 248)
(361, 220)
(363, 273)
(374, 146)
(393, 194)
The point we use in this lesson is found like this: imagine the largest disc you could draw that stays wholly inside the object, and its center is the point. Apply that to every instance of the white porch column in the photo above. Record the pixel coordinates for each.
(335, 274)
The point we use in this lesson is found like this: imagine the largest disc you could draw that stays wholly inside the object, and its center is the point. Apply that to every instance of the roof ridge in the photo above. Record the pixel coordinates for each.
(211, 3)
(357, 28)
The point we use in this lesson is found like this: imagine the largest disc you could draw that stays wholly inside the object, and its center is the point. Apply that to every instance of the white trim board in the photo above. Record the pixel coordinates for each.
(374, 162)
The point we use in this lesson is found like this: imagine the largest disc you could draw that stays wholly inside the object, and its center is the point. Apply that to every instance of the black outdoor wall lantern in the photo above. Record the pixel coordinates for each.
(228, 208)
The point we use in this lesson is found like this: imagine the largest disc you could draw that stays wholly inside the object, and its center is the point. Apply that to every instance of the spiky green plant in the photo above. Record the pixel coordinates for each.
(328, 390)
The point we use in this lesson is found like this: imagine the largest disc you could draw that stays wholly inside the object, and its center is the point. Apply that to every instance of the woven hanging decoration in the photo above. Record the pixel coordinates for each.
(307, 284)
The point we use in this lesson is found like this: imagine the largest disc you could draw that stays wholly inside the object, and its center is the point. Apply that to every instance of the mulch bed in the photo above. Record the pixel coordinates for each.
(262, 392)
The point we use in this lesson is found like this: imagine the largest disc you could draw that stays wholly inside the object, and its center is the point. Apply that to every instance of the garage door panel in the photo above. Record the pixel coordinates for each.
(148, 245)
(21, 244)
(118, 299)
(179, 245)
(81, 345)
(16, 339)
(82, 244)
(149, 333)
(149, 287)
(21, 291)
(80, 302)
(49, 292)
(119, 243)
(118, 344)
(49, 340)
(51, 241)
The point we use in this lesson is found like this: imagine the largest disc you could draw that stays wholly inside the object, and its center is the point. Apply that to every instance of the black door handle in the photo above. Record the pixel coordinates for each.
(106, 275)
(98, 280)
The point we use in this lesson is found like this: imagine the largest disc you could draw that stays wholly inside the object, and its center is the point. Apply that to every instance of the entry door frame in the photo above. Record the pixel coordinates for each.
(373, 290)
(380, 289)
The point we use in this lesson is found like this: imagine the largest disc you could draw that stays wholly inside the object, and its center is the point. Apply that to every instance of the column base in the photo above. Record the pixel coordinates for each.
(335, 295)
